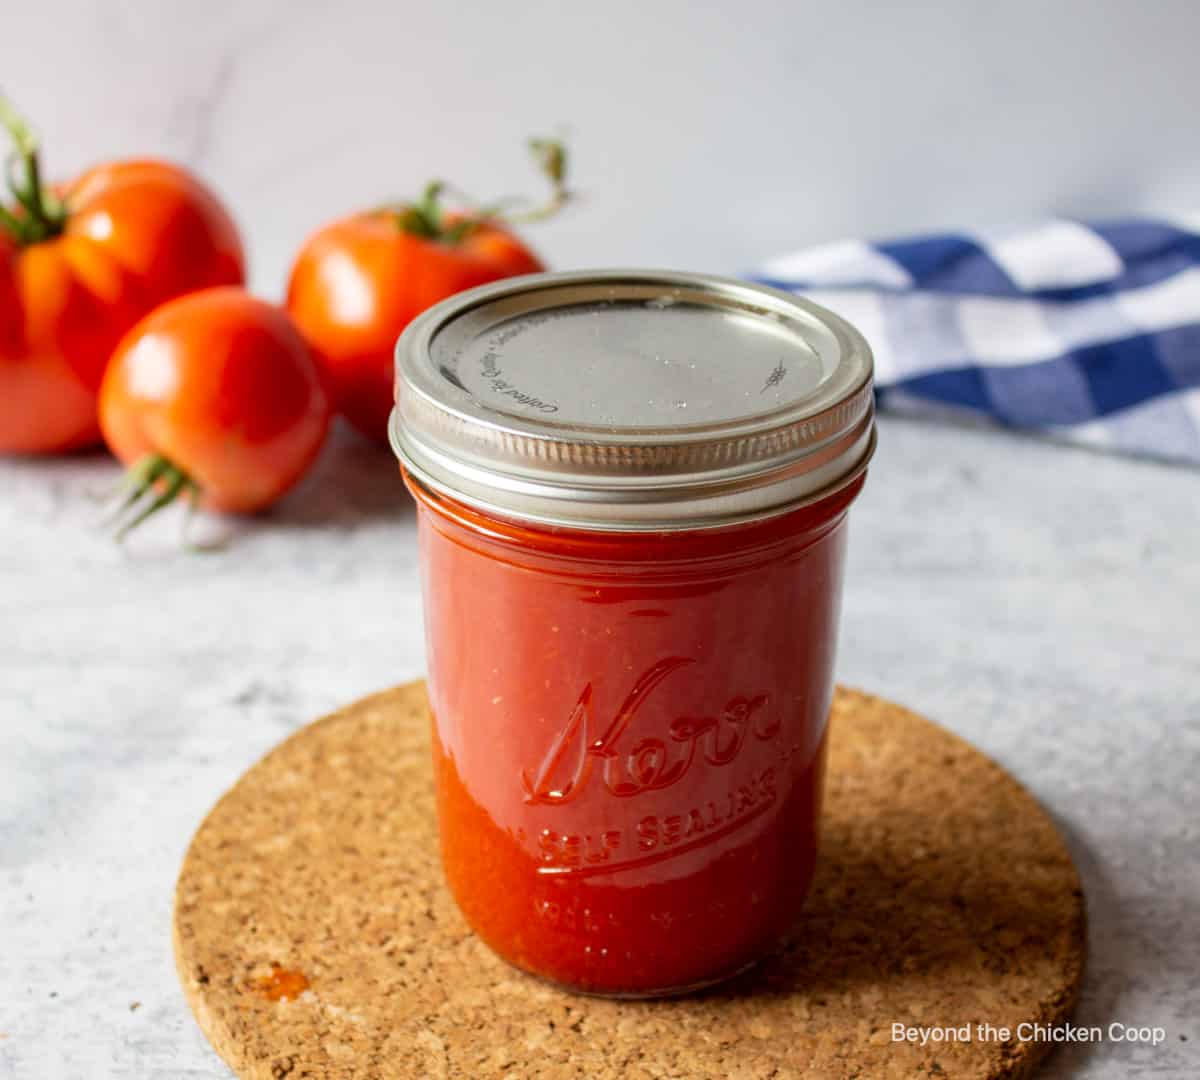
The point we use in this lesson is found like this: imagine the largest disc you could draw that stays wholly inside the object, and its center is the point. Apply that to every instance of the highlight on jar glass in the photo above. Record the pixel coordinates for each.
(632, 491)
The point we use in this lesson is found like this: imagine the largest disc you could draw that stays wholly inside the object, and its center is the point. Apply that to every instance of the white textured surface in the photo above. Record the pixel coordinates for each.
(1041, 601)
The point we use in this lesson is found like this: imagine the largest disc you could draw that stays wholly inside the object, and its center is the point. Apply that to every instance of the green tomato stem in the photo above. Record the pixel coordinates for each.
(44, 216)
(12, 224)
(152, 483)
(551, 156)
(425, 217)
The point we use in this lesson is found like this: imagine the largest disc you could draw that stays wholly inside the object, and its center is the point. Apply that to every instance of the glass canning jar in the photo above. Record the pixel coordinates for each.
(632, 491)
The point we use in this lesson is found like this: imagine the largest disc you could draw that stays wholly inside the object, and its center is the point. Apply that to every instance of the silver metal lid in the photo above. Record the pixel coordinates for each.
(632, 400)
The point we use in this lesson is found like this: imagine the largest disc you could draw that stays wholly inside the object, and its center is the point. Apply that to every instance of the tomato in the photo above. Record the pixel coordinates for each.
(79, 265)
(359, 281)
(215, 394)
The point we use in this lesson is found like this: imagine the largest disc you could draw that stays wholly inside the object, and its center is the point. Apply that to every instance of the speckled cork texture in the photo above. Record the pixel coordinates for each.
(314, 936)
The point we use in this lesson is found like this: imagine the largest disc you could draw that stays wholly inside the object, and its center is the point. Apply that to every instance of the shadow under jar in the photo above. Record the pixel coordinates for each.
(632, 491)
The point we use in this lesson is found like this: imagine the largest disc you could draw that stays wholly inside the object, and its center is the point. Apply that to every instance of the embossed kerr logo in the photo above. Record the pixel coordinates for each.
(650, 763)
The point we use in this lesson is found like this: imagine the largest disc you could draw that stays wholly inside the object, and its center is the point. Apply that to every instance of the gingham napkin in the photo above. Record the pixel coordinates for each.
(1089, 333)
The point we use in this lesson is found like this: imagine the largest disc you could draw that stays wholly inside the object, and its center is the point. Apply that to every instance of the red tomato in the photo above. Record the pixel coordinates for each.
(215, 393)
(78, 267)
(357, 284)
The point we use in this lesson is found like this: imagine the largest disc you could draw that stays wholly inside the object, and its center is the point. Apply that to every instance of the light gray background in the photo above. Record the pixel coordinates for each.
(1040, 600)
(707, 135)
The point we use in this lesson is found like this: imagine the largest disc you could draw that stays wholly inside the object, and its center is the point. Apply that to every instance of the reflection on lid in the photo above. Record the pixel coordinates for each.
(638, 364)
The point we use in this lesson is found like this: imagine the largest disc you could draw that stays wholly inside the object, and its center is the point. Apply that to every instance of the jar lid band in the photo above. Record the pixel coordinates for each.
(639, 400)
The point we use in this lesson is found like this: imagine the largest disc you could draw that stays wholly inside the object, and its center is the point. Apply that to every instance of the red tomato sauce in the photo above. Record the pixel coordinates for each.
(629, 736)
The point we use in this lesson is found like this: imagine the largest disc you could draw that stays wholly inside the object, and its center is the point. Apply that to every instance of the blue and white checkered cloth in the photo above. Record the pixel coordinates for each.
(1089, 333)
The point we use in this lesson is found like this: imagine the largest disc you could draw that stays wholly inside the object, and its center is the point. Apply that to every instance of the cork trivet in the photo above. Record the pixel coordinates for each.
(314, 936)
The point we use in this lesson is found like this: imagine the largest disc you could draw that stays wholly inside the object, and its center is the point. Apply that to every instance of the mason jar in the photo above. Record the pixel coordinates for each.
(632, 490)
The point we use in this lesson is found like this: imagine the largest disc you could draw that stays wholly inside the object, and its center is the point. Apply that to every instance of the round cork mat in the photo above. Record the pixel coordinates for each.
(314, 936)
